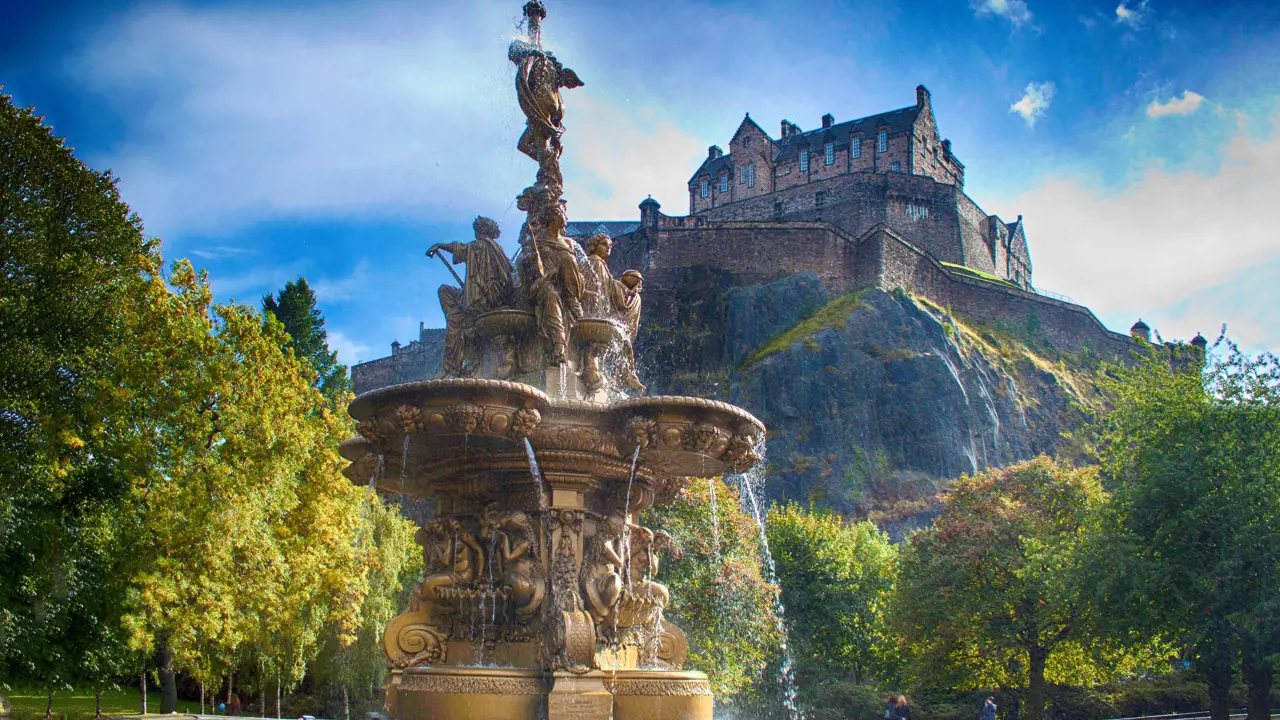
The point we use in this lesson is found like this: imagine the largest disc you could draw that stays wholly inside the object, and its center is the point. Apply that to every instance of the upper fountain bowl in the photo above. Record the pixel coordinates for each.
(425, 438)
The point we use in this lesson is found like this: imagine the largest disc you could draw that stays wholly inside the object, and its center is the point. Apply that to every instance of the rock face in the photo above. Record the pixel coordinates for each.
(871, 399)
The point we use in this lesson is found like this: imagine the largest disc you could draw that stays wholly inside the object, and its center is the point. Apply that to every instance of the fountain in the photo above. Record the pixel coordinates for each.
(540, 598)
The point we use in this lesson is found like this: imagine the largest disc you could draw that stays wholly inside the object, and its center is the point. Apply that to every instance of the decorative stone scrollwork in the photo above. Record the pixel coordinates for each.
(420, 645)
(575, 437)
(655, 686)
(642, 432)
(742, 453)
(410, 417)
(702, 437)
(673, 647)
(464, 417)
(462, 684)
(525, 421)
(377, 432)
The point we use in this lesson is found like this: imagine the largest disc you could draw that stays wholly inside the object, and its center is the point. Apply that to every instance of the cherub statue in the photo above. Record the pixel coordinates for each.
(602, 569)
(516, 562)
(451, 555)
(643, 566)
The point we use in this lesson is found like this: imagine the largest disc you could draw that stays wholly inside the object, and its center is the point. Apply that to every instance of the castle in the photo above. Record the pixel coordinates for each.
(878, 201)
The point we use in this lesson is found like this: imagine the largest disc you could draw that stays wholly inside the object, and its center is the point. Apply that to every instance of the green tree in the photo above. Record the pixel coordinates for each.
(718, 596)
(837, 579)
(295, 308)
(993, 595)
(1193, 539)
(73, 259)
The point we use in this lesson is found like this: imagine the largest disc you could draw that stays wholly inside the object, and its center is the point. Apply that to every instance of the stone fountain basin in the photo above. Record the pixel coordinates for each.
(506, 321)
(459, 428)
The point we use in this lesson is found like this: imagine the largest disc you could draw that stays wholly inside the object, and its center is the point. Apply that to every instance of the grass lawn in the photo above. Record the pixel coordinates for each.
(28, 702)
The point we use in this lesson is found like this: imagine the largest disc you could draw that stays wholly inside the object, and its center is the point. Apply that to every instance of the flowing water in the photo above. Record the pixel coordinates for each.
(404, 457)
(715, 522)
(751, 482)
(377, 472)
(537, 474)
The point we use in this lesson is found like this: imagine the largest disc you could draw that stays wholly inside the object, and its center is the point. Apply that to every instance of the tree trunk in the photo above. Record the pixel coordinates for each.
(142, 685)
(1257, 675)
(346, 704)
(231, 681)
(48, 708)
(1035, 683)
(201, 697)
(168, 684)
(278, 695)
(97, 703)
(1219, 690)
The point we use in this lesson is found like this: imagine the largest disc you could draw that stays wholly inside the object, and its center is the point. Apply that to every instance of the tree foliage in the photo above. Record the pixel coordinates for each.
(836, 580)
(1193, 542)
(718, 596)
(994, 593)
(170, 474)
(295, 308)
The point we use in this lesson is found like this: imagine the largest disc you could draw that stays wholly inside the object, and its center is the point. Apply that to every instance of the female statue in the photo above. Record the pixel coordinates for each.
(521, 571)
(645, 545)
(602, 569)
(451, 555)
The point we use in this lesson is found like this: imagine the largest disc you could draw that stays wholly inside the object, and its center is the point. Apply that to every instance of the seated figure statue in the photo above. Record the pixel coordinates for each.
(487, 287)
(607, 297)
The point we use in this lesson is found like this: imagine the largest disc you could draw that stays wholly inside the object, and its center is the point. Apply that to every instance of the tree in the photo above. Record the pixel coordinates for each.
(1193, 454)
(73, 261)
(836, 581)
(295, 308)
(993, 594)
(718, 596)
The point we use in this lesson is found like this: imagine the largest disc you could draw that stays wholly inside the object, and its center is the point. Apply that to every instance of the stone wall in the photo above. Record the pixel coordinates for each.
(420, 360)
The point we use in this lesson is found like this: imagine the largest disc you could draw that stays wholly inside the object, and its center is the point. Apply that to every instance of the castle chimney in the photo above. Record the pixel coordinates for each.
(786, 129)
(422, 330)
(828, 120)
(649, 212)
(714, 152)
(946, 146)
(1140, 331)
(922, 97)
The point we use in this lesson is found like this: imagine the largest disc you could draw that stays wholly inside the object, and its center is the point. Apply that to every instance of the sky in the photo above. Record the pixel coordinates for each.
(338, 140)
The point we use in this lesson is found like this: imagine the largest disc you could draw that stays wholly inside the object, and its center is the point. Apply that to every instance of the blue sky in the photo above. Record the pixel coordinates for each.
(338, 140)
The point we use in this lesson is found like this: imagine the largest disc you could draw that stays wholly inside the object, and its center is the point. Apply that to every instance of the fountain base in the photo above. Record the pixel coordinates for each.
(449, 693)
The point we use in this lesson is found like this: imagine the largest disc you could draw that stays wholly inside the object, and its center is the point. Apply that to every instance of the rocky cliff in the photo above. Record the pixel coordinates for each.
(873, 400)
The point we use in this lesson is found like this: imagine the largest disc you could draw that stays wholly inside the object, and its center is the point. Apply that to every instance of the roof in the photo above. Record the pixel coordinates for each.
(713, 167)
(894, 120)
(612, 228)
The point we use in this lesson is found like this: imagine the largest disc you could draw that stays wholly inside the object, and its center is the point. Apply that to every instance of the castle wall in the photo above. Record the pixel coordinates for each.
(920, 209)
(889, 262)
(421, 360)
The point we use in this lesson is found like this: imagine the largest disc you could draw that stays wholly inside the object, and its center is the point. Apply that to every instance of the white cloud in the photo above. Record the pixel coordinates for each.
(617, 156)
(1015, 11)
(349, 351)
(1185, 105)
(218, 252)
(1165, 237)
(1131, 16)
(1034, 102)
(236, 115)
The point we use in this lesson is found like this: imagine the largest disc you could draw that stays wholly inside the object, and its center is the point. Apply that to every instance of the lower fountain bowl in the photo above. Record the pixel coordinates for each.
(457, 693)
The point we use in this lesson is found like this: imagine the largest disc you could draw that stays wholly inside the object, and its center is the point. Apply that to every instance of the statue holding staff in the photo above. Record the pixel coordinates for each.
(487, 287)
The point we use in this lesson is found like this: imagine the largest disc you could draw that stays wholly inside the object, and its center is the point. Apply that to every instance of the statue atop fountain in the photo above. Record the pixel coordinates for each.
(541, 596)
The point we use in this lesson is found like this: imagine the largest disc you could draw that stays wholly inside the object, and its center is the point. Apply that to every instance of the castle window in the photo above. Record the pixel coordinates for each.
(779, 172)
(831, 153)
(706, 187)
(820, 199)
(742, 178)
(917, 211)
(751, 175)
(897, 167)
(724, 182)
(804, 160)
(746, 142)
(855, 144)
(777, 211)
(882, 141)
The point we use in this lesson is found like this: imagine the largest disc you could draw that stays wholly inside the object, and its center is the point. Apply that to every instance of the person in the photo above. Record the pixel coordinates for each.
(607, 297)
(902, 711)
(234, 706)
(988, 710)
(487, 287)
(890, 705)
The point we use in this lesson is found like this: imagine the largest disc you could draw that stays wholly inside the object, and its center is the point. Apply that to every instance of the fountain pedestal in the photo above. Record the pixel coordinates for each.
(541, 597)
